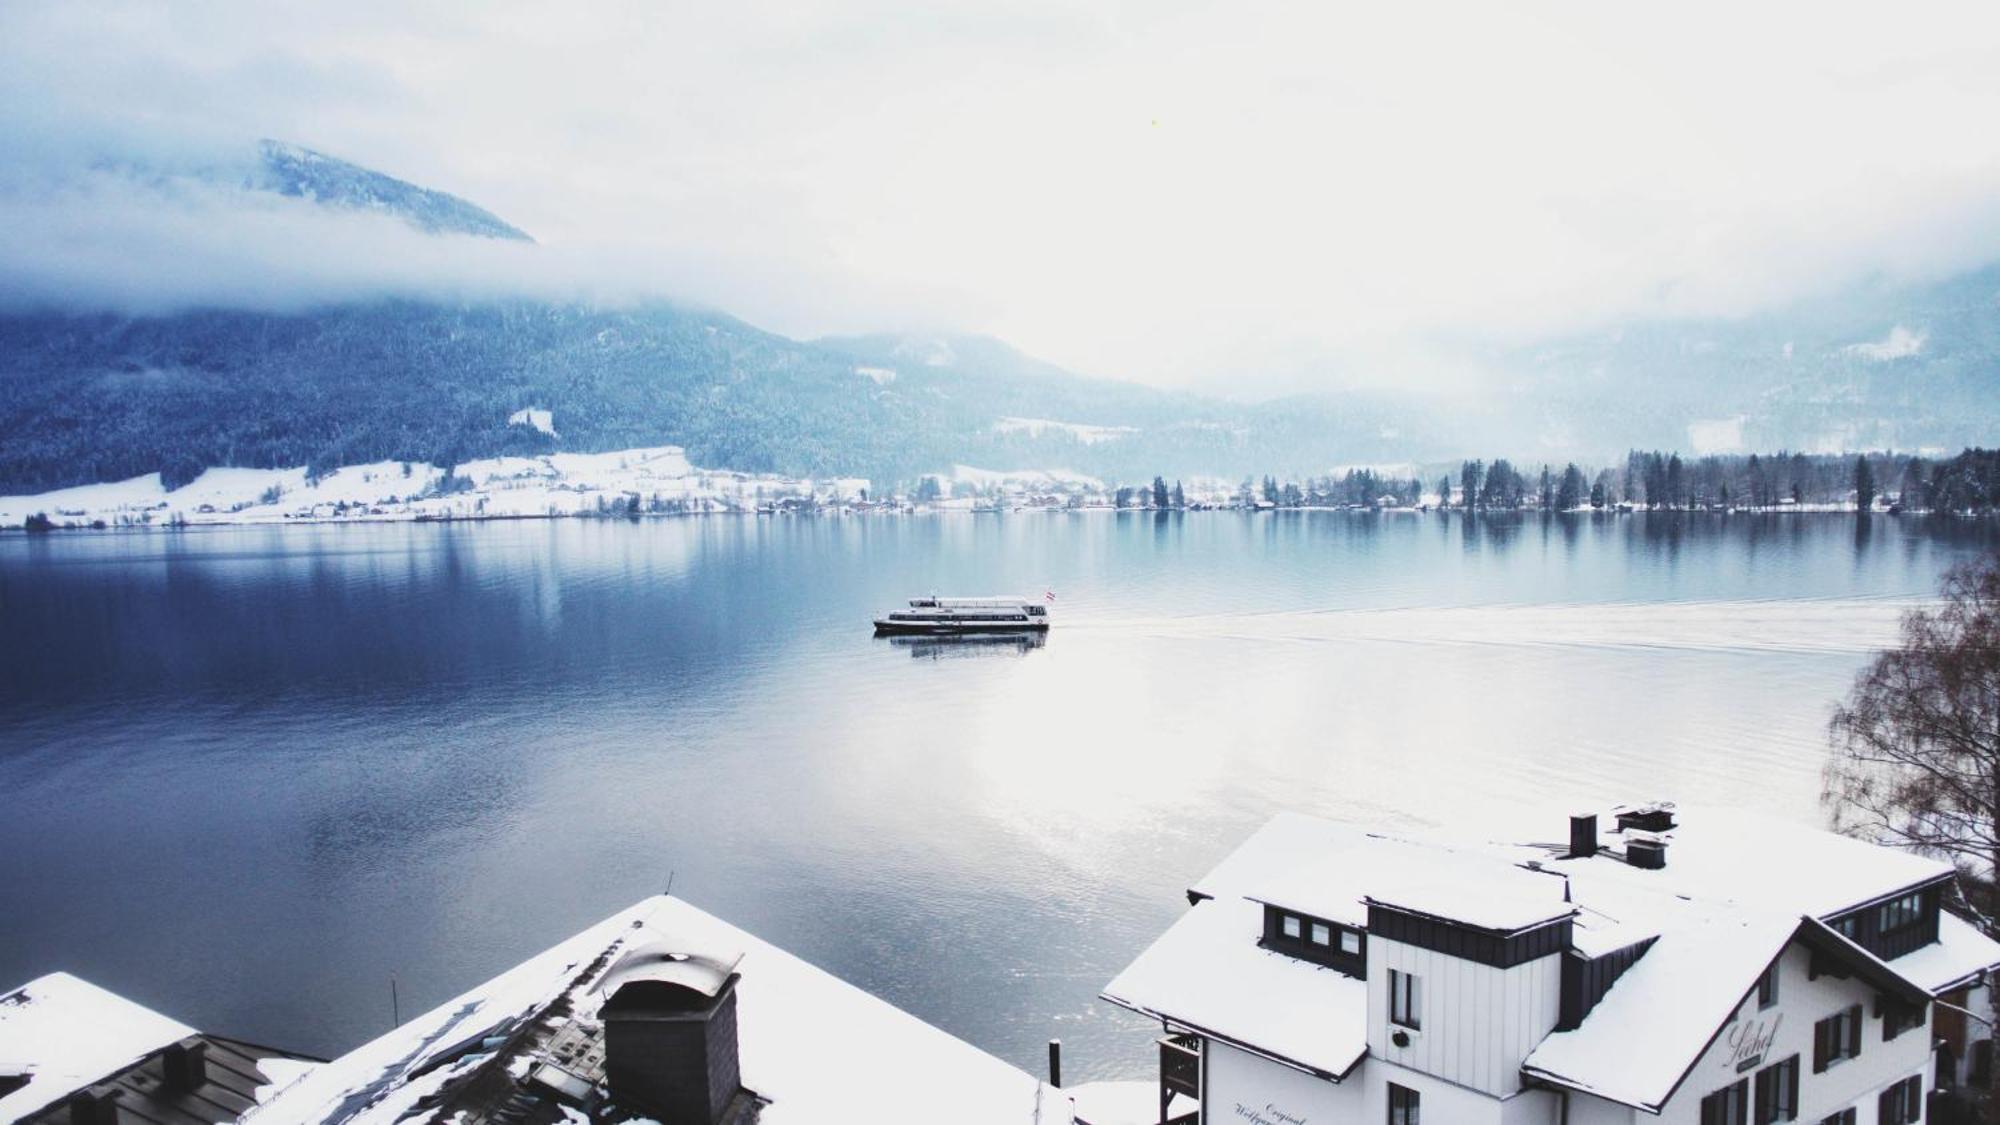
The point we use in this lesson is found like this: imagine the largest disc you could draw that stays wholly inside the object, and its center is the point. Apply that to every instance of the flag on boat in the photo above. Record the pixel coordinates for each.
(1048, 595)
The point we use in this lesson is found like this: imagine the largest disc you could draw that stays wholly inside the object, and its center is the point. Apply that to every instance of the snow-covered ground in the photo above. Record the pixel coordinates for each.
(1022, 480)
(557, 484)
(1087, 434)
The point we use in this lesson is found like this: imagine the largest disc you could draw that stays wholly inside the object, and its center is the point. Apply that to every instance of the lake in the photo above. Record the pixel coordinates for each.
(252, 773)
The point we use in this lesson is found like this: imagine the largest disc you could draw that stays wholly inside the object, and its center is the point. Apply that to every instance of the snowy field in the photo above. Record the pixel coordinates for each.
(557, 484)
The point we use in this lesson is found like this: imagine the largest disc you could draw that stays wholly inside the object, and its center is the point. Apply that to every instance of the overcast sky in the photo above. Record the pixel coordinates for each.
(1161, 191)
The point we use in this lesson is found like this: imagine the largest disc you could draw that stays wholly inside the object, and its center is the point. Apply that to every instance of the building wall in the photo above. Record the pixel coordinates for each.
(1246, 1089)
(1587, 1110)
(1479, 1022)
(1243, 1089)
(1802, 1002)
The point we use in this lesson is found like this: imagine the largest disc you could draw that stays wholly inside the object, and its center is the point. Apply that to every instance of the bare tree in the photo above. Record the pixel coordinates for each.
(1916, 745)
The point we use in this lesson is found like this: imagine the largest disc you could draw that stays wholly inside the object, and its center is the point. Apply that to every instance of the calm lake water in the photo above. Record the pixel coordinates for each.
(251, 773)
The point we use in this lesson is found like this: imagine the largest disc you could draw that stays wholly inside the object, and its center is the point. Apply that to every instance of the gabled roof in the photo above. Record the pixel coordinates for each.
(813, 1046)
(1208, 974)
(63, 1034)
(1639, 1043)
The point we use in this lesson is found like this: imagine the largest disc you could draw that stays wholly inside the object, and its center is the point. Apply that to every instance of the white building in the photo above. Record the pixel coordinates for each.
(1702, 969)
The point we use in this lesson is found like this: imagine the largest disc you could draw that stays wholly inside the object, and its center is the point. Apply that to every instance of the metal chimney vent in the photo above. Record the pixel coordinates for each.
(1583, 836)
(1649, 854)
(670, 1036)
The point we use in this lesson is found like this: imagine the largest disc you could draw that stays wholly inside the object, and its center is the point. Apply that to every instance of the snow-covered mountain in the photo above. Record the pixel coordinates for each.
(88, 395)
(294, 170)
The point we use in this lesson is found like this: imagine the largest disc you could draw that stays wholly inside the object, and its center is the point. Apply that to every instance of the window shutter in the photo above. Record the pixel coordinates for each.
(1792, 1088)
(1764, 1092)
(1885, 1106)
(1854, 1031)
(1820, 1038)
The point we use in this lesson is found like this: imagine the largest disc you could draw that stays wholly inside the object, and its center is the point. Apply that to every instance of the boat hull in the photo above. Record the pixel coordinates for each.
(886, 628)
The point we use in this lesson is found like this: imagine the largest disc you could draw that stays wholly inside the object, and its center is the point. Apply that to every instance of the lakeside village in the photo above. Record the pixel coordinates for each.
(1647, 962)
(636, 483)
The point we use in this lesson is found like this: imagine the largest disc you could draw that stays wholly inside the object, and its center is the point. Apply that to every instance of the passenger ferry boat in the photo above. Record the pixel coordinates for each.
(966, 615)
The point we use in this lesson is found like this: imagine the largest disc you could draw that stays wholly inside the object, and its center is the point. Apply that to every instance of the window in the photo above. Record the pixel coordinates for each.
(1778, 1092)
(1292, 927)
(1900, 912)
(1350, 943)
(1767, 988)
(1844, 1117)
(1836, 1038)
(1402, 1105)
(1322, 935)
(1727, 1106)
(1406, 1000)
(1903, 1103)
(1849, 927)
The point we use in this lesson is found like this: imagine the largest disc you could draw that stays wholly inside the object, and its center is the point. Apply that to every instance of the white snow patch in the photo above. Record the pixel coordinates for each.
(1083, 432)
(543, 420)
(1900, 343)
(1030, 479)
(64, 1033)
(881, 375)
(1716, 435)
(556, 484)
(282, 1073)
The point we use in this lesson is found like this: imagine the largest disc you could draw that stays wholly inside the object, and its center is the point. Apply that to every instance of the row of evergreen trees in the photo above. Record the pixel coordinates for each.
(1966, 483)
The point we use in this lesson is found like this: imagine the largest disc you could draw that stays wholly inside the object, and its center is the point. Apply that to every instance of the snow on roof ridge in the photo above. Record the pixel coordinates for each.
(789, 1012)
(65, 1033)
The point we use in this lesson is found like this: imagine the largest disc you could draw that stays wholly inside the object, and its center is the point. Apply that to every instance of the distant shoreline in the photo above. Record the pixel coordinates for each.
(892, 510)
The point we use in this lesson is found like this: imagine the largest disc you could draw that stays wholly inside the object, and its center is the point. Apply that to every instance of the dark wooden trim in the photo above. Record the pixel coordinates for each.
(1485, 947)
(1303, 947)
(1585, 980)
(1889, 944)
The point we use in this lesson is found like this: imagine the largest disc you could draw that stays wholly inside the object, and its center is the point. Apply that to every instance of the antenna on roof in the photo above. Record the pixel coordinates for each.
(670, 881)
(395, 1005)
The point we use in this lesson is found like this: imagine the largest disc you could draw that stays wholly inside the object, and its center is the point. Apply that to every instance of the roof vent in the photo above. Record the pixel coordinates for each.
(670, 1036)
(1646, 852)
(95, 1106)
(1655, 817)
(1583, 836)
(185, 1065)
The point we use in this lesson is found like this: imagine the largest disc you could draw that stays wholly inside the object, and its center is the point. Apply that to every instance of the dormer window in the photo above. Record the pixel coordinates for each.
(1319, 940)
(1900, 912)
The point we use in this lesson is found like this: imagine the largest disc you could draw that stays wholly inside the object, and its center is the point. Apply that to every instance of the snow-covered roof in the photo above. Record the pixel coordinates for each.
(63, 1034)
(1960, 954)
(1734, 891)
(1337, 877)
(1208, 974)
(1661, 1013)
(1652, 1026)
(812, 1044)
(1723, 855)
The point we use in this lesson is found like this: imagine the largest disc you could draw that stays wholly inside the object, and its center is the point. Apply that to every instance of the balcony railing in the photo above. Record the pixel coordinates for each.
(1180, 1073)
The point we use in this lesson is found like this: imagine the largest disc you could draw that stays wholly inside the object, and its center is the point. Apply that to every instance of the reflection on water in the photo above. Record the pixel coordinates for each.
(941, 646)
(251, 772)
